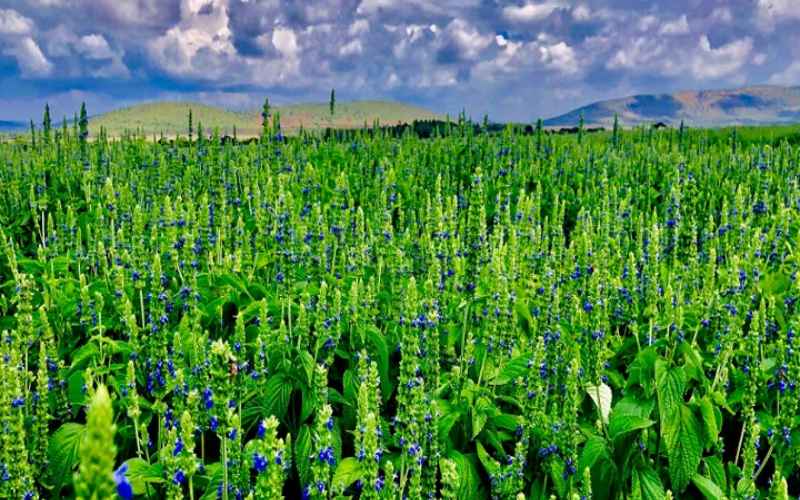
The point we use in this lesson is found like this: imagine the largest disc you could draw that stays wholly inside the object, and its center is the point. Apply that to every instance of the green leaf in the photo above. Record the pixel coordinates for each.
(646, 484)
(491, 465)
(276, 392)
(302, 454)
(711, 426)
(593, 450)
(642, 370)
(601, 395)
(63, 451)
(623, 424)
(467, 473)
(306, 361)
(670, 385)
(707, 487)
(716, 471)
(515, 368)
(140, 474)
(628, 415)
(347, 472)
(480, 415)
(84, 355)
(683, 439)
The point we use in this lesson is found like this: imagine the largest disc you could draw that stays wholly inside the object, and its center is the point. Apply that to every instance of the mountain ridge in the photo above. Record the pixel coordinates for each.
(750, 105)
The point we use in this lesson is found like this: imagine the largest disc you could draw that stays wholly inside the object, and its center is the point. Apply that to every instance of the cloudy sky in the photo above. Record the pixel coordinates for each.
(515, 60)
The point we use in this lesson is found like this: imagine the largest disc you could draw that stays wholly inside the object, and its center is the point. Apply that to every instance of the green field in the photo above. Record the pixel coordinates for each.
(171, 118)
(467, 316)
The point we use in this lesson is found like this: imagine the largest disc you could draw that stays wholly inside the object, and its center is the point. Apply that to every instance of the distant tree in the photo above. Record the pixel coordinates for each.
(681, 131)
(33, 134)
(539, 133)
(191, 130)
(265, 115)
(333, 101)
(83, 126)
(46, 124)
(581, 124)
(615, 134)
(234, 133)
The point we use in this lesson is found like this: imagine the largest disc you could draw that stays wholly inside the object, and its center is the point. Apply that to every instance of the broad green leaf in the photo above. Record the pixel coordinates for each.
(594, 449)
(683, 439)
(306, 361)
(670, 385)
(63, 451)
(491, 465)
(140, 474)
(707, 487)
(646, 484)
(716, 471)
(277, 392)
(467, 473)
(642, 370)
(515, 368)
(601, 395)
(711, 426)
(623, 424)
(302, 453)
(628, 415)
(347, 472)
(480, 414)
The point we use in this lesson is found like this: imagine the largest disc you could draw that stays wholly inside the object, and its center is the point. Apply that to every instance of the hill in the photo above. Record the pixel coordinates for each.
(757, 105)
(11, 126)
(172, 117)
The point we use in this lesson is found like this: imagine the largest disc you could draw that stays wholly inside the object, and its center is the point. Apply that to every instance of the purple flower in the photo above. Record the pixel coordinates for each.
(178, 447)
(124, 488)
(260, 463)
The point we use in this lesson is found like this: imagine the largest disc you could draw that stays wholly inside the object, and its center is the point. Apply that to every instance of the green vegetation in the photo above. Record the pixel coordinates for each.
(472, 315)
(170, 117)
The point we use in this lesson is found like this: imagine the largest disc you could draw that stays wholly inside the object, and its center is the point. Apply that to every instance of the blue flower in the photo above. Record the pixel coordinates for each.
(179, 477)
(124, 488)
(178, 447)
(260, 463)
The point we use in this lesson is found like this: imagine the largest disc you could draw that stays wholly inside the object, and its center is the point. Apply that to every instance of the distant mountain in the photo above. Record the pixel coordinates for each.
(172, 117)
(9, 126)
(757, 105)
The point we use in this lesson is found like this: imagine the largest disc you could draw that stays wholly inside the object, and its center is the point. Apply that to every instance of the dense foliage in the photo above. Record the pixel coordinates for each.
(467, 316)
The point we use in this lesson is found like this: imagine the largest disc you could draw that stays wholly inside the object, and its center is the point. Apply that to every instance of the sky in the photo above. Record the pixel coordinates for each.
(513, 60)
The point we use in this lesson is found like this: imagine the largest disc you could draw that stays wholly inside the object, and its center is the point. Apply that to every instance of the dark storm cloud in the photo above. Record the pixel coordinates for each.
(515, 59)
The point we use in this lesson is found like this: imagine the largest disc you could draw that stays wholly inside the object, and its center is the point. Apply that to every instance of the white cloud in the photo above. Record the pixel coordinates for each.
(95, 47)
(469, 40)
(351, 48)
(722, 14)
(679, 26)
(647, 22)
(531, 11)
(642, 51)
(711, 63)
(789, 76)
(771, 12)
(202, 34)
(359, 27)
(32, 62)
(14, 23)
(560, 57)
(581, 13)
(285, 41)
